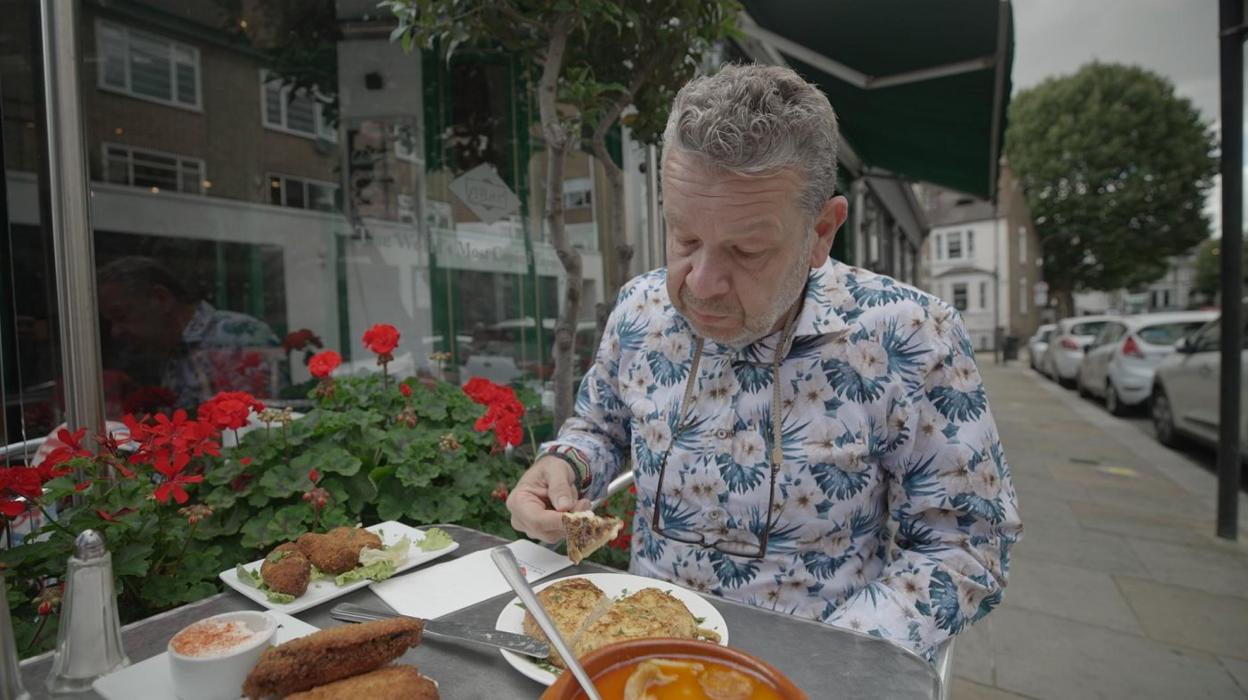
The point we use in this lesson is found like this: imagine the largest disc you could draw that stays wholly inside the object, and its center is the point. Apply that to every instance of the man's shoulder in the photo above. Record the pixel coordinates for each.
(232, 328)
(877, 297)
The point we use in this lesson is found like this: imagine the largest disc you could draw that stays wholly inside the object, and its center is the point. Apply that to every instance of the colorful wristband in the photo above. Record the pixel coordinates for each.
(578, 463)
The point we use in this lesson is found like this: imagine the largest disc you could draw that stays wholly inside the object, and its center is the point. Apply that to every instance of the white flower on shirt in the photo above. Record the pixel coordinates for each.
(812, 392)
(931, 422)
(748, 448)
(970, 595)
(657, 435)
(869, 359)
(985, 481)
(822, 441)
(639, 378)
(803, 502)
(963, 375)
(675, 347)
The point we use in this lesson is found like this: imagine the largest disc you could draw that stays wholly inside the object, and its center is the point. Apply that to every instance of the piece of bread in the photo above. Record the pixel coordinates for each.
(572, 604)
(389, 683)
(587, 532)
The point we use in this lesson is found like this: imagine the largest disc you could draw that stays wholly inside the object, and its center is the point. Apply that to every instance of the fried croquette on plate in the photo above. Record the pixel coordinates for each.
(572, 605)
(286, 570)
(338, 550)
(331, 655)
(389, 683)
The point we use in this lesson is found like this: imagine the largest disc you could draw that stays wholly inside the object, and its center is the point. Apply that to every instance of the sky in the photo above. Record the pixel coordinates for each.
(1175, 38)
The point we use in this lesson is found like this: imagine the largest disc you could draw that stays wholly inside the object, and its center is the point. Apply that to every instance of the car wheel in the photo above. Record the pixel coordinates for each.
(1113, 403)
(1163, 418)
(1079, 385)
(1067, 383)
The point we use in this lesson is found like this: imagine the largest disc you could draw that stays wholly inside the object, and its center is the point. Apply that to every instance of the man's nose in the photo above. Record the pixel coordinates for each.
(708, 276)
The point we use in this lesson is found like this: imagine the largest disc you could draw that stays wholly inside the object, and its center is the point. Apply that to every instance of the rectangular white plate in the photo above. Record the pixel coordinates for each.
(318, 592)
(150, 679)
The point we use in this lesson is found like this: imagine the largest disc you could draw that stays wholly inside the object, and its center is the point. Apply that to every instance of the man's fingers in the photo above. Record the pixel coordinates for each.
(530, 515)
(581, 505)
(560, 489)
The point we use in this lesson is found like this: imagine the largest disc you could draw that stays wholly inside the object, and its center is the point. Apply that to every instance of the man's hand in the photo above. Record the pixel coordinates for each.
(545, 491)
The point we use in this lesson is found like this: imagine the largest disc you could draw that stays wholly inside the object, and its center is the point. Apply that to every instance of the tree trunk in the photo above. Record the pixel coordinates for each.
(615, 219)
(556, 137)
(1065, 302)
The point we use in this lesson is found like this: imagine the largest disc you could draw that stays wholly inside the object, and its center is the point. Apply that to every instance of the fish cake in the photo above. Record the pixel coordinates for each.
(389, 683)
(338, 550)
(286, 570)
(572, 604)
(331, 655)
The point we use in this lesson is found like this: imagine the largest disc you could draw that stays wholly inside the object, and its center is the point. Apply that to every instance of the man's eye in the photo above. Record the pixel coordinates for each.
(751, 254)
(687, 244)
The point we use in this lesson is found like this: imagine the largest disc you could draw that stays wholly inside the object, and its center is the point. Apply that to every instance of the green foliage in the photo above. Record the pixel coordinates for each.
(1115, 169)
(380, 456)
(1209, 269)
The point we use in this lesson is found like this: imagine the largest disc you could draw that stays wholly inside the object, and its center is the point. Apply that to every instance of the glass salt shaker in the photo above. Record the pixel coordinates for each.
(88, 641)
(10, 675)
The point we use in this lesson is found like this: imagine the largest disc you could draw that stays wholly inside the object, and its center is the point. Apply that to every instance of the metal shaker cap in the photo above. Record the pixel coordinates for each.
(89, 544)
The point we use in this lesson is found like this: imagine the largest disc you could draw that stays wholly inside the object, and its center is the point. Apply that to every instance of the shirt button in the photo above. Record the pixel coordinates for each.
(721, 434)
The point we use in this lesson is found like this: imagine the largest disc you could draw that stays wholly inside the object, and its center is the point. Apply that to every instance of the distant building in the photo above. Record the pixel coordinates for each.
(1173, 291)
(984, 260)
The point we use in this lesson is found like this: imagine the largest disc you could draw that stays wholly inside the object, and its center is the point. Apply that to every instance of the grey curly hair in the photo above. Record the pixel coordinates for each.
(752, 119)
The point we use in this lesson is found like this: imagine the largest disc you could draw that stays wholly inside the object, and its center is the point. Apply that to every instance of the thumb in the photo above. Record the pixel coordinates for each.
(560, 490)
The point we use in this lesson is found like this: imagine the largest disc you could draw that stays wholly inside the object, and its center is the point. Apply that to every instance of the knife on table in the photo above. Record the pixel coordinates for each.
(519, 643)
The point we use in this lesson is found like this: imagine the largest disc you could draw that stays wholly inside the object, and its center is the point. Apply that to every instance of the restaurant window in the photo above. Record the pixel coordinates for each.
(954, 239)
(959, 296)
(294, 111)
(155, 170)
(147, 66)
(970, 244)
(298, 193)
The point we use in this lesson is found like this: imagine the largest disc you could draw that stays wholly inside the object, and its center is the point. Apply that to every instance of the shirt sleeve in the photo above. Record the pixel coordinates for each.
(952, 499)
(599, 429)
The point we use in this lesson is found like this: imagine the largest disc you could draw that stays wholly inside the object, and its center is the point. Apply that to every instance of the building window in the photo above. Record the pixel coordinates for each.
(147, 66)
(296, 113)
(940, 247)
(578, 193)
(959, 296)
(1022, 244)
(1022, 296)
(983, 295)
(954, 239)
(970, 244)
(286, 191)
(139, 167)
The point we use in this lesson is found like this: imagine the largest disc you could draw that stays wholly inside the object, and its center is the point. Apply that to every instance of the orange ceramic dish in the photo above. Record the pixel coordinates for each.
(610, 667)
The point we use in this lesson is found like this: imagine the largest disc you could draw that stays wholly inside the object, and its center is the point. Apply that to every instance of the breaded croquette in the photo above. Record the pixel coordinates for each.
(331, 655)
(389, 683)
(338, 550)
(286, 570)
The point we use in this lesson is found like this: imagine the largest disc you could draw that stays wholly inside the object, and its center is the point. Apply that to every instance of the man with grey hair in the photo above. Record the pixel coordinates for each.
(805, 436)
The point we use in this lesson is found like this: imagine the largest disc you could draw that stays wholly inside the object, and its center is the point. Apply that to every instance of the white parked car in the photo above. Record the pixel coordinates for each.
(1061, 359)
(1118, 365)
(1038, 343)
(1185, 390)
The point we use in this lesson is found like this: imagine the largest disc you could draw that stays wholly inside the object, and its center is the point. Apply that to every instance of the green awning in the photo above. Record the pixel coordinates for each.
(920, 87)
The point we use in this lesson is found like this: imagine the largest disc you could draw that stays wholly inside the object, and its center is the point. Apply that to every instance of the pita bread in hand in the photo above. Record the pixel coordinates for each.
(587, 532)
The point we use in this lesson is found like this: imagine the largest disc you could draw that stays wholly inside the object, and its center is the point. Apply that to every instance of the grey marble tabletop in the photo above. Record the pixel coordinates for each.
(827, 662)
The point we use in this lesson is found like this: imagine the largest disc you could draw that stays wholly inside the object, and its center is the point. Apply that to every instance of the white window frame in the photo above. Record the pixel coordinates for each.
(1022, 296)
(127, 90)
(940, 246)
(949, 239)
(578, 189)
(970, 243)
(983, 295)
(178, 158)
(285, 177)
(323, 132)
(1022, 244)
(966, 296)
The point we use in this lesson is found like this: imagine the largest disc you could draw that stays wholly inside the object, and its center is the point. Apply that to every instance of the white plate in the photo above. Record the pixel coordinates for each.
(511, 619)
(150, 679)
(318, 592)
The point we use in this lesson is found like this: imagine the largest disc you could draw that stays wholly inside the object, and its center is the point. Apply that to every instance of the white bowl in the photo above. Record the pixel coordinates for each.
(221, 676)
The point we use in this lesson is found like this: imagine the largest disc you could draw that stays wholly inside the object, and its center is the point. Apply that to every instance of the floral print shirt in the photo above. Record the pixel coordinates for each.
(223, 351)
(894, 511)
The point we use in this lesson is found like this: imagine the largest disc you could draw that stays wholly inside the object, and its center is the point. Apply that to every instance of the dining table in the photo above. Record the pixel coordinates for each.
(828, 663)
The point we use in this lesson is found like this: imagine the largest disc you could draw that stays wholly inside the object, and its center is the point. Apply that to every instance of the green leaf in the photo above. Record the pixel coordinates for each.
(132, 559)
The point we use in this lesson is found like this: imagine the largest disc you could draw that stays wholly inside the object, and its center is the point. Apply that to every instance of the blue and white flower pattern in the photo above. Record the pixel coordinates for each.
(894, 511)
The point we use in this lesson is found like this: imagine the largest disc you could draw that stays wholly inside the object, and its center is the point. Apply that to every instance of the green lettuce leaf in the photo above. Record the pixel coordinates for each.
(377, 571)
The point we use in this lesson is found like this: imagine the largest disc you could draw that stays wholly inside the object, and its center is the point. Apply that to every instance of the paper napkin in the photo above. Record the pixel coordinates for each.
(455, 585)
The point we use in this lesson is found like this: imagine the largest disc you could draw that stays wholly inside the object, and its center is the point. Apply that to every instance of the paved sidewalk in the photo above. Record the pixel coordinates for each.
(1119, 588)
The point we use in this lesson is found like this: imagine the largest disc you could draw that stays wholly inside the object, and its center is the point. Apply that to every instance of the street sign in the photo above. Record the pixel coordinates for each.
(485, 193)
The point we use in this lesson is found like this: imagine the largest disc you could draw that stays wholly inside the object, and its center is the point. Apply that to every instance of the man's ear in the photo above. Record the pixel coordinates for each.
(829, 221)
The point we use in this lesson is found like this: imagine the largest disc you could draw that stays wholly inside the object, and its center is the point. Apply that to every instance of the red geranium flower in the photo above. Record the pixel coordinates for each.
(314, 476)
(323, 363)
(229, 410)
(148, 399)
(503, 413)
(70, 448)
(382, 338)
(173, 487)
(405, 389)
(15, 483)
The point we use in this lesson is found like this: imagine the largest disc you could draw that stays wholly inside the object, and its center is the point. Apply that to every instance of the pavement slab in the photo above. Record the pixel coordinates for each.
(1190, 617)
